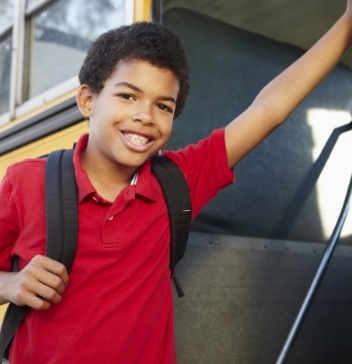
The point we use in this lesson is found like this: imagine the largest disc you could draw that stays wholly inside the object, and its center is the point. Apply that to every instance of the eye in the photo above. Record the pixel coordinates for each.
(125, 96)
(165, 108)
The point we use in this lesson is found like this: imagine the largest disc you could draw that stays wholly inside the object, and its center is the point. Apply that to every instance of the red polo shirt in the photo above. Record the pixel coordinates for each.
(117, 307)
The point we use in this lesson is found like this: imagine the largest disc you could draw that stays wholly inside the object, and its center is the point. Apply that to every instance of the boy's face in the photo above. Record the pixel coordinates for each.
(131, 119)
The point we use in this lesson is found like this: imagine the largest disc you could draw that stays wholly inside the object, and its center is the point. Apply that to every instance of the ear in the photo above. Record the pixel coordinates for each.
(84, 98)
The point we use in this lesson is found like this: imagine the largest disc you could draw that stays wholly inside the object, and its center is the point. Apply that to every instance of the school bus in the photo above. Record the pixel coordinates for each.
(253, 248)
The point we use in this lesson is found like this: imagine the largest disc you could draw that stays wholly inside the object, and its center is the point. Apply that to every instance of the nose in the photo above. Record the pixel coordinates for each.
(143, 115)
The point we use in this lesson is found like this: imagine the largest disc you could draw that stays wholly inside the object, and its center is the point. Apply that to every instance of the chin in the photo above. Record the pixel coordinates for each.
(133, 162)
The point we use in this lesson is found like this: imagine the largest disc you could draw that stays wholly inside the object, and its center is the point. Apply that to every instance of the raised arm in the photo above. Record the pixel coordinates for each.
(283, 94)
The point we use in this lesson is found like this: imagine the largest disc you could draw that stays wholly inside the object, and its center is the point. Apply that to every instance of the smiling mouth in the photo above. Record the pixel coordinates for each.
(136, 139)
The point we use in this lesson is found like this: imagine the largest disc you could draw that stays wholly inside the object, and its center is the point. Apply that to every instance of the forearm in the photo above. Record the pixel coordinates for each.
(276, 102)
(283, 95)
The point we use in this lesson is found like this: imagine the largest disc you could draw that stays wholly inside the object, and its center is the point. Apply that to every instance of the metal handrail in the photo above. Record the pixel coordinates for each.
(318, 277)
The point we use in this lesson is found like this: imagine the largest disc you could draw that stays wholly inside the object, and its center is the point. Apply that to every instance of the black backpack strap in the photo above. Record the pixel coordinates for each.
(61, 230)
(13, 317)
(61, 207)
(178, 200)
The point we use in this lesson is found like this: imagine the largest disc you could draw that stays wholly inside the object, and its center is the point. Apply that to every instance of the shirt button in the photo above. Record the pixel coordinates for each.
(95, 199)
(111, 218)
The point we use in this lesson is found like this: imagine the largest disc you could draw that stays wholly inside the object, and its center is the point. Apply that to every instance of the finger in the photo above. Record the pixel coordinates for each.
(47, 293)
(37, 303)
(26, 297)
(52, 281)
(50, 265)
(42, 282)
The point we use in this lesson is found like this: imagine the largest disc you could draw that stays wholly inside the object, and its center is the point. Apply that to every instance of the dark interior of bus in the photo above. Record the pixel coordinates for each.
(275, 199)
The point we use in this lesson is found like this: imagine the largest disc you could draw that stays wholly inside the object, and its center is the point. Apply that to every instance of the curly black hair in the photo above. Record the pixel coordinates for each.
(145, 41)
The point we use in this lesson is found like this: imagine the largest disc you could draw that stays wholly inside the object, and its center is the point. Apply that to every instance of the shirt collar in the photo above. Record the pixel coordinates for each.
(147, 185)
(144, 184)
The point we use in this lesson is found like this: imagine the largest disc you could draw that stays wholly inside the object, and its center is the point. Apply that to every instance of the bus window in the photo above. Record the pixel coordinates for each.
(6, 12)
(6, 18)
(43, 44)
(5, 67)
(60, 35)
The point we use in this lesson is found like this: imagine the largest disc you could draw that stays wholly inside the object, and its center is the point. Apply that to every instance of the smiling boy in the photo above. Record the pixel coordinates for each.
(116, 306)
(130, 121)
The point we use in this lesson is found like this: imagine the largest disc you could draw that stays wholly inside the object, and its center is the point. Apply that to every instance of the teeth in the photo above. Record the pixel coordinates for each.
(136, 139)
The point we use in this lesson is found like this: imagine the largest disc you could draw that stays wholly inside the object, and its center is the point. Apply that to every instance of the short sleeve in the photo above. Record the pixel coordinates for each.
(205, 167)
(9, 222)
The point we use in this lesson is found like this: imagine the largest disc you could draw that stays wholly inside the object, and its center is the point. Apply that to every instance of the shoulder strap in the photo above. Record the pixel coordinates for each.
(62, 227)
(61, 207)
(13, 317)
(178, 200)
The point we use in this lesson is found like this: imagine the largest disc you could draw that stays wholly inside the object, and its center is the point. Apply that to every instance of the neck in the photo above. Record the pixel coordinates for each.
(108, 179)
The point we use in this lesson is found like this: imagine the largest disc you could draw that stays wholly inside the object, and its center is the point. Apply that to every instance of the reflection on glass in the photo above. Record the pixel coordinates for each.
(63, 32)
(6, 12)
(33, 2)
(5, 71)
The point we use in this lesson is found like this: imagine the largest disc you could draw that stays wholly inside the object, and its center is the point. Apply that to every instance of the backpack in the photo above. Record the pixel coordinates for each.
(61, 211)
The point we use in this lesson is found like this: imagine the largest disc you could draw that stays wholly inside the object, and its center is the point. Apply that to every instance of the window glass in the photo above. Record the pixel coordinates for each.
(5, 71)
(6, 12)
(33, 2)
(63, 31)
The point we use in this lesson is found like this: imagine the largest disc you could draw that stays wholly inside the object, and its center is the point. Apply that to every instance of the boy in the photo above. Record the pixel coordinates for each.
(116, 306)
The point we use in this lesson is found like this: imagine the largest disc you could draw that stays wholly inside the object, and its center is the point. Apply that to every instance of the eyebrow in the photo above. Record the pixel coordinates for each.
(135, 88)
